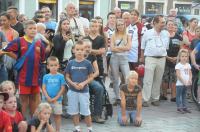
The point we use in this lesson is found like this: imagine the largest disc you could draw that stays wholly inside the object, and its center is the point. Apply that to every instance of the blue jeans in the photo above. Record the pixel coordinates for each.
(181, 96)
(98, 90)
(118, 62)
(3, 73)
(129, 115)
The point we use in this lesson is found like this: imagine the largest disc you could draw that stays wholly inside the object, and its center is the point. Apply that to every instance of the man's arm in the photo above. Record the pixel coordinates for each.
(139, 104)
(193, 59)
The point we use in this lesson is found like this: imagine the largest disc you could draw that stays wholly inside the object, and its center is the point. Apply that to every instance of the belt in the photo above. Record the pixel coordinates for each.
(157, 57)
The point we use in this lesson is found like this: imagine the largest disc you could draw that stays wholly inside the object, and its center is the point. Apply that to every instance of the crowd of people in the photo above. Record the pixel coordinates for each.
(51, 68)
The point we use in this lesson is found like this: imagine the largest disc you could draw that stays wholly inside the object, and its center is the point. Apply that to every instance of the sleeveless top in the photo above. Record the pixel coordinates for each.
(131, 97)
(118, 43)
(10, 35)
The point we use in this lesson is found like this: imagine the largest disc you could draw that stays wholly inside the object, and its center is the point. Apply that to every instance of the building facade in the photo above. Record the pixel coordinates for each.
(91, 8)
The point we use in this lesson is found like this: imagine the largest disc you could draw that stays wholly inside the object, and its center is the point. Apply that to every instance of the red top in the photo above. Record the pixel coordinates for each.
(29, 74)
(17, 118)
(5, 123)
(190, 38)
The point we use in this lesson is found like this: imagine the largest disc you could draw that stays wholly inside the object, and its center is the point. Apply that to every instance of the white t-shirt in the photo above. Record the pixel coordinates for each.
(184, 72)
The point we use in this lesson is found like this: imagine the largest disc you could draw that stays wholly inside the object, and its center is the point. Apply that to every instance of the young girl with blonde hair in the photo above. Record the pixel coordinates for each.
(41, 119)
(184, 80)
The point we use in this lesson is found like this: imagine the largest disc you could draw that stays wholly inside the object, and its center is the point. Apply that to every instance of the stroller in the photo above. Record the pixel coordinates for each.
(107, 106)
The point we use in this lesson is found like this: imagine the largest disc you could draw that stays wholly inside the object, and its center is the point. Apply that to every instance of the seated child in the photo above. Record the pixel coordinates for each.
(9, 87)
(53, 87)
(131, 101)
(5, 124)
(16, 117)
(41, 119)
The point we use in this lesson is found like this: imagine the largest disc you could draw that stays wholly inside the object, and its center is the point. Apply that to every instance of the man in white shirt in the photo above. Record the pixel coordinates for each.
(75, 23)
(154, 47)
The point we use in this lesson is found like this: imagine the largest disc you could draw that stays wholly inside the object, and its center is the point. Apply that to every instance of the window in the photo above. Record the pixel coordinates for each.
(4, 4)
(86, 9)
(126, 6)
(183, 9)
(154, 8)
(196, 11)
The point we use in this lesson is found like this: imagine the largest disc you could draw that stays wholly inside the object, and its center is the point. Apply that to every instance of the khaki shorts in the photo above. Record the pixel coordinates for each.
(56, 108)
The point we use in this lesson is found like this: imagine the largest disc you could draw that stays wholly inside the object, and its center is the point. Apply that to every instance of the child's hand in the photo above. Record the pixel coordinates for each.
(54, 100)
(189, 83)
(49, 100)
(138, 120)
(42, 122)
(81, 85)
(124, 120)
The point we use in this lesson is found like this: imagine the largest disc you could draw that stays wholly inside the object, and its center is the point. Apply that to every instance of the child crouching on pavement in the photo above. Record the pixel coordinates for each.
(5, 123)
(40, 121)
(131, 101)
(184, 80)
(53, 87)
(17, 120)
(79, 73)
(9, 87)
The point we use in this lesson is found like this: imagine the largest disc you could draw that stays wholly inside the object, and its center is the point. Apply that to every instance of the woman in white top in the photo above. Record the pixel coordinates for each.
(120, 45)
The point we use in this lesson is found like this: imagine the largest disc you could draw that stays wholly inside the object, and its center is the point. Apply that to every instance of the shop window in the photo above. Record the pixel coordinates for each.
(126, 6)
(154, 8)
(183, 9)
(196, 11)
(4, 4)
(86, 9)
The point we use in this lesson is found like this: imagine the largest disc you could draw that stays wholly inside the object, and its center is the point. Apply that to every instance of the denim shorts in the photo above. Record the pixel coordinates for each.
(78, 103)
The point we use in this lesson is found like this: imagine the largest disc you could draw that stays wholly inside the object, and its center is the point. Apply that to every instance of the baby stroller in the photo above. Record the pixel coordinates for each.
(107, 106)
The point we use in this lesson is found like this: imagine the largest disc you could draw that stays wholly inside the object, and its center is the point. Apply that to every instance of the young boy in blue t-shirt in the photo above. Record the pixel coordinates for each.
(53, 87)
(79, 73)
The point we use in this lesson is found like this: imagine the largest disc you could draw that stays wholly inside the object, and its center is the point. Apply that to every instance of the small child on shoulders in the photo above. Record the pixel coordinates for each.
(17, 120)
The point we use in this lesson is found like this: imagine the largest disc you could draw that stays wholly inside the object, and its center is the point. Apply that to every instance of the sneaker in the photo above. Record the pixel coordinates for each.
(98, 119)
(162, 97)
(179, 110)
(145, 104)
(186, 110)
(155, 103)
(117, 102)
(173, 99)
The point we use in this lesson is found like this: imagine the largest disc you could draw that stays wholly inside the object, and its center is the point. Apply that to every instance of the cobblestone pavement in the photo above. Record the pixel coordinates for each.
(163, 118)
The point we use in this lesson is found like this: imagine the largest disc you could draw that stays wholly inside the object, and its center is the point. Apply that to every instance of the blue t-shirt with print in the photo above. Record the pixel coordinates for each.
(53, 83)
(79, 72)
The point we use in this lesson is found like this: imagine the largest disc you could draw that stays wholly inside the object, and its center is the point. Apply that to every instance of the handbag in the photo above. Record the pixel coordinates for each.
(19, 63)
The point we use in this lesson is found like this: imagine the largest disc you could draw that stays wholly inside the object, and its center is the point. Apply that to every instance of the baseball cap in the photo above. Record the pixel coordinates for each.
(6, 95)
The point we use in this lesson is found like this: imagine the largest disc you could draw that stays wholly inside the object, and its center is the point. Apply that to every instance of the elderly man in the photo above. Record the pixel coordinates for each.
(118, 12)
(127, 18)
(75, 23)
(154, 47)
